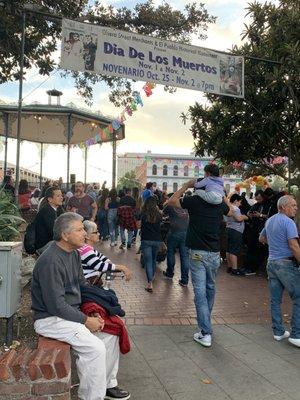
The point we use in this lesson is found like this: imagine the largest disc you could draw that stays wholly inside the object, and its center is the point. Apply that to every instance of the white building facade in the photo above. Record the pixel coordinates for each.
(168, 172)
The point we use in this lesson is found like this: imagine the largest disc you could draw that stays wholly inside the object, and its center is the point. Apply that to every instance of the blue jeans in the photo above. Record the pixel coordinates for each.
(284, 275)
(102, 223)
(176, 240)
(204, 267)
(123, 238)
(150, 250)
(112, 220)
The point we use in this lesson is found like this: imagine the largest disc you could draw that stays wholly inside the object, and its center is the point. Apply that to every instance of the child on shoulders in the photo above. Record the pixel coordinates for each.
(211, 187)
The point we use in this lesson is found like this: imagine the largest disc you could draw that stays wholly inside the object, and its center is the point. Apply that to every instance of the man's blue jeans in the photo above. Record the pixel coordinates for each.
(123, 237)
(204, 266)
(284, 275)
(150, 250)
(176, 240)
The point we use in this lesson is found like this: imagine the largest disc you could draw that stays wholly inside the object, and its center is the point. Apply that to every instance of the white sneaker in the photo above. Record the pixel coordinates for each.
(204, 340)
(284, 336)
(295, 342)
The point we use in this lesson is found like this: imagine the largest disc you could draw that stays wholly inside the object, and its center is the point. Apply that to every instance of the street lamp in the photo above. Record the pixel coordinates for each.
(27, 8)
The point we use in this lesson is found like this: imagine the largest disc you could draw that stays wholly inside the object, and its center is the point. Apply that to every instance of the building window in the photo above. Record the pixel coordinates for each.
(165, 186)
(175, 170)
(196, 170)
(186, 171)
(154, 169)
(175, 187)
(165, 170)
(154, 185)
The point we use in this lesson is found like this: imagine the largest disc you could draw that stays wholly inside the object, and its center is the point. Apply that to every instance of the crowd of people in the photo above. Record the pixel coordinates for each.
(195, 220)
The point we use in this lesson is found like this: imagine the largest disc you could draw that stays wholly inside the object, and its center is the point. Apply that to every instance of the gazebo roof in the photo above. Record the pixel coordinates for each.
(49, 123)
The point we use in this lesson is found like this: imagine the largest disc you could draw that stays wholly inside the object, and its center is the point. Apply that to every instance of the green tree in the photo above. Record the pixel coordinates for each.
(256, 129)
(129, 181)
(42, 36)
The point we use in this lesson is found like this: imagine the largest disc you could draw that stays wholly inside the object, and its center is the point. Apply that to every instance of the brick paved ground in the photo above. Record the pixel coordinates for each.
(238, 300)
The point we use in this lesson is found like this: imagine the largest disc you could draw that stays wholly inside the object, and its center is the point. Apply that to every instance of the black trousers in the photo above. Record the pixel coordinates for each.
(257, 253)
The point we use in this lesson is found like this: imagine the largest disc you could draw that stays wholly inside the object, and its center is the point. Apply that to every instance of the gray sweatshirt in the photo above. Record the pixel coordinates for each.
(55, 289)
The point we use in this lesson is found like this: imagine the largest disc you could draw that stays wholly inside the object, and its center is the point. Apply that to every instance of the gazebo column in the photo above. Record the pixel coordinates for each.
(6, 143)
(41, 165)
(85, 163)
(68, 151)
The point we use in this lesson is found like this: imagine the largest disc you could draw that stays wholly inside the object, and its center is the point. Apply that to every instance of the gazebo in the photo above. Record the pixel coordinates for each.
(57, 124)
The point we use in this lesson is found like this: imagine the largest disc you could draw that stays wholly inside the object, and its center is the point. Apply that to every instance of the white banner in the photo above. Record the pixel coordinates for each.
(106, 51)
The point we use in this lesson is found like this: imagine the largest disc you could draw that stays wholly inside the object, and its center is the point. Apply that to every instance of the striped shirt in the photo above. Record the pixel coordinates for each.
(93, 262)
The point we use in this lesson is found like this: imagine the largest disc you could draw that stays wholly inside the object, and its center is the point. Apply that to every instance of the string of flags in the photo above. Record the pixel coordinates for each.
(271, 161)
(106, 134)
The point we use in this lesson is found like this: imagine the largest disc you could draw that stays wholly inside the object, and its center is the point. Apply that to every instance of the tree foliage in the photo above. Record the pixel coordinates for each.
(42, 35)
(10, 218)
(256, 129)
(129, 181)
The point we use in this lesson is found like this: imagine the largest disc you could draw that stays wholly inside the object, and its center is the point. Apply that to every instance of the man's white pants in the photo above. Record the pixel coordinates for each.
(98, 354)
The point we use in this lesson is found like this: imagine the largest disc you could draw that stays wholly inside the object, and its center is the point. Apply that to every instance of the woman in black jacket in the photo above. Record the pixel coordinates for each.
(151, 219)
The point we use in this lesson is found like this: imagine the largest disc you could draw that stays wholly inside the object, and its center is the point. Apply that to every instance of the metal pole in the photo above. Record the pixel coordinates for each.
(68, 153)
(114, 160)
(20, 103)
(9, 330)
(85, 163)
(41, 165)
(289, 162)
(6, 143)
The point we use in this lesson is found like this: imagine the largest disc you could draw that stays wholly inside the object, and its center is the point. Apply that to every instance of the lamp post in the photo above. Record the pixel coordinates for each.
(19, 120)
(114, 159)
(289, 162)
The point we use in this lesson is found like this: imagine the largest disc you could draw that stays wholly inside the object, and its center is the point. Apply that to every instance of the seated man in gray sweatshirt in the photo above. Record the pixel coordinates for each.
(56, 298)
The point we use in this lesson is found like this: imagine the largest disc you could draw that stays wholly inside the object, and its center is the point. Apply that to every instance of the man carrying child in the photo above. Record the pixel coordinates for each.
(203, 240)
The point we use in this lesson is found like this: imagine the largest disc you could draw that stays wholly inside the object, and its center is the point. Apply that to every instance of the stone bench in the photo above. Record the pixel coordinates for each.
(41, 374)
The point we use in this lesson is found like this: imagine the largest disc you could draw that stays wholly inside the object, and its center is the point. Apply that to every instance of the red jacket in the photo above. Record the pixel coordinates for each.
(113, 324)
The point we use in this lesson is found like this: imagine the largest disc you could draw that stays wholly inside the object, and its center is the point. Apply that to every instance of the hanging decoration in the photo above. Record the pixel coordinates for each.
(258, 181)
(269, 161)
(106, 134)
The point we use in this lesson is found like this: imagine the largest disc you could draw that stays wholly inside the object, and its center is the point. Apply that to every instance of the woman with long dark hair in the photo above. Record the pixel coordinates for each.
(151, 219)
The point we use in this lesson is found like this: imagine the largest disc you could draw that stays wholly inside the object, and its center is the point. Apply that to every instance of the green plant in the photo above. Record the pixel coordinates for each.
(10, 218)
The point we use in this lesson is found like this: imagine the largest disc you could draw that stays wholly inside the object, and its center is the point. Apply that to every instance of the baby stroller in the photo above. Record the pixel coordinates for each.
(162, 251)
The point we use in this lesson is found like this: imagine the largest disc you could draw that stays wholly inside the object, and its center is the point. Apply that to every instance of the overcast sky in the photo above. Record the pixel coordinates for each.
(156, 126)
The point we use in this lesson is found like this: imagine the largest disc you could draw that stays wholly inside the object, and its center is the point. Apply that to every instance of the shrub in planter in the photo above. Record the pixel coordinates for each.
(10, 219)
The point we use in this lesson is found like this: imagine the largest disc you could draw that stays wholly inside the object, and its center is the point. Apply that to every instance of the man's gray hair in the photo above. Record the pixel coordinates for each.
(89, 226)
(284, 201)
(64, 224)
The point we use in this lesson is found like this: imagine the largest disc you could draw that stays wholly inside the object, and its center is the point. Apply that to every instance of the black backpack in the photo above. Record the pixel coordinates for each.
(29, 239)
